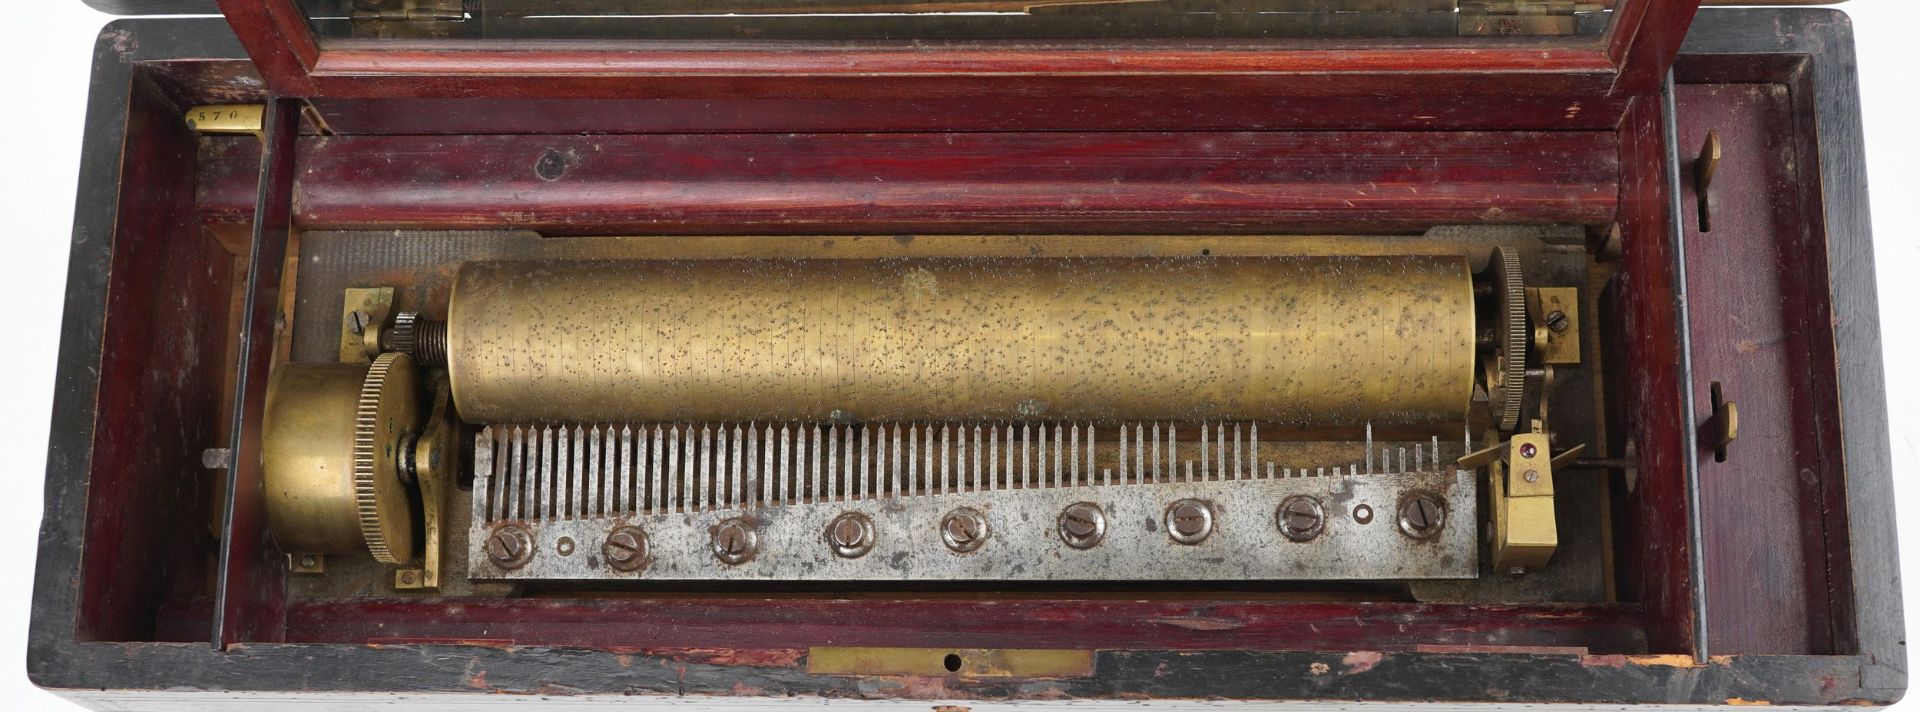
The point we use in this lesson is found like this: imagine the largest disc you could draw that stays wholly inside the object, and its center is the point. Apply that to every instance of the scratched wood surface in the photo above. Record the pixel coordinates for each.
(957, 183)
(1757, 291)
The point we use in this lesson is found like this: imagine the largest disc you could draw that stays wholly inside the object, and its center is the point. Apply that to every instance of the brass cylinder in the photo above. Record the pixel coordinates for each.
(1334, 341)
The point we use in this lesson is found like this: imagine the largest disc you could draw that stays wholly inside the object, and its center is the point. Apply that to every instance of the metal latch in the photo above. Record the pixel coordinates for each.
(1523, 17)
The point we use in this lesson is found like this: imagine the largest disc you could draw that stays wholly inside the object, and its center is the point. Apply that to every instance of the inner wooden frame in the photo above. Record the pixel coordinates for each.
(1582, 83)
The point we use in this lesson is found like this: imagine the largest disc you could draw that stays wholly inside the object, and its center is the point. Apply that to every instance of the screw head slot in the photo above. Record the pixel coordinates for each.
(735, 541)
(964, 529)
(1301, 518)
(850, 535)
(1082, 525)
(625, 549)
(509, 546)
(1190, 521)
(1422, 516)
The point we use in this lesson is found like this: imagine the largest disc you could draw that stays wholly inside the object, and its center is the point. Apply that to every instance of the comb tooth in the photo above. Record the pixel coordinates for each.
(509, 492)
(634, 447)
(576, 471)
(596, 472)
(1220, 444)
(655, 439)
(1012, 473)
(535, 469)
(1139, 451)
(544, 459)
(765, 474)
(1269, 470)
(1419, 461)
(1369, 447)
(976, 471)
(483, 469)
(1073, 457)
(614, 452)
(702, 467)
(1059, 454)
(1026, 455)
(1172, 458)
(1254, 440)
(1123, 453)
(1436, 452)
(1040, 457)
(850, 463)
(1155, 471)
(913, 458)
(1190, 470)
(869, 466)
(736, 495)
(783, 464)
(1237, 472)
(1206, 453)
(810, 452)
(681, 468)
(1107, 476)
(944, 485)
(893, 470)
(485, 500)
(930, 455)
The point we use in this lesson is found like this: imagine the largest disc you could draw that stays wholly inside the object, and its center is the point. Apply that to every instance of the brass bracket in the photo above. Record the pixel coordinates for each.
(1723, 426)
(1704, 168)
(435, 463)
(364, 314)
(949, 662)
(307, 563)
(1520, 472)
(1555, 313)
(229, 119)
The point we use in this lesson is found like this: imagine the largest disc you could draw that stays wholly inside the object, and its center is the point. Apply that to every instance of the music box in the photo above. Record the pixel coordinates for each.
(971, 352)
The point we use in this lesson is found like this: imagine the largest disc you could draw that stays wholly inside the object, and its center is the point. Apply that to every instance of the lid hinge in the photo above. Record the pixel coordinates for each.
(1525, 17)
(407, 18)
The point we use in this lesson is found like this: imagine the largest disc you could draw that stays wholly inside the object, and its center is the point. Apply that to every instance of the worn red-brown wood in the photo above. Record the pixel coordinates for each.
(160, 369)
(1762, 329)
(1644, 395)
(882, 183)
(1209, 623)
(1366, 83)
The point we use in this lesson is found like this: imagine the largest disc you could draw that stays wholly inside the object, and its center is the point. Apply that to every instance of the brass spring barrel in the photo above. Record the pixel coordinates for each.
(1336, 341)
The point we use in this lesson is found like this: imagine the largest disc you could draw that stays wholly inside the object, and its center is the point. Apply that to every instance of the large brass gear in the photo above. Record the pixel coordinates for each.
(1506, 370)
(332, 433)
(385, 419)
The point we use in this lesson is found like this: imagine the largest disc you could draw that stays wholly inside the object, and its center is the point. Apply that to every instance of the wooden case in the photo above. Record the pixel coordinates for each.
(1768, 577)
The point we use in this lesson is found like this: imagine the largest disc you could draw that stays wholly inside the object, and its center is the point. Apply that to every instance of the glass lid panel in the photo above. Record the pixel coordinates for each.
(1488, 20)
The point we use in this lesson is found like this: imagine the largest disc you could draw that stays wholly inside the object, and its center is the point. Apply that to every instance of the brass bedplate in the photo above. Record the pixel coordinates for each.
(932, 410)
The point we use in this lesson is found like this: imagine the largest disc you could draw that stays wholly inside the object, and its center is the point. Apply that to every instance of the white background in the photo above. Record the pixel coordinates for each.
(45, 53)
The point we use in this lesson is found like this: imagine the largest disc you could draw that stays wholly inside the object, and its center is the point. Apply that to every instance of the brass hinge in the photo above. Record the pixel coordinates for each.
(390, 19)
(1523, 17)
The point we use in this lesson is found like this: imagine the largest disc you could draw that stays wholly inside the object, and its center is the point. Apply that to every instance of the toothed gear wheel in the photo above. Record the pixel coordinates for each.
(404, 335)
(385, 420)
(1507, 371)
